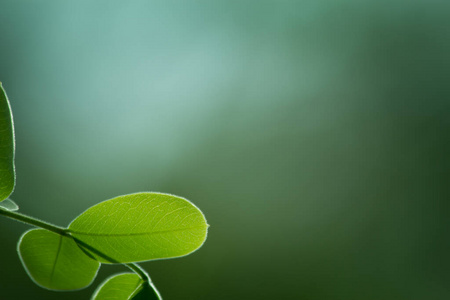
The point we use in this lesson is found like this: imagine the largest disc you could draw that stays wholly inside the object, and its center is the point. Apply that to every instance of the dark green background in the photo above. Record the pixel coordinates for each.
(314, 135)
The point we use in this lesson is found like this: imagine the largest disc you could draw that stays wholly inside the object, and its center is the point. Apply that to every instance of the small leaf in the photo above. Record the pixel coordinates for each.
(7, 172)
(125, 286)
(8, 204)
(140, 227)
(56, 262)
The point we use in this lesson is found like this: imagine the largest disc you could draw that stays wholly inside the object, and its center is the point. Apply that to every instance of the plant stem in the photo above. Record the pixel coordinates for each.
(138, 270)
(33, 221)
(144, 276)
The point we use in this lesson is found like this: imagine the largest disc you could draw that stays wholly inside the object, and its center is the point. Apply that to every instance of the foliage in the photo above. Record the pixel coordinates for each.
(126, 229)
(55, 261)
(122, 285)
(7, 174)
(121, 229)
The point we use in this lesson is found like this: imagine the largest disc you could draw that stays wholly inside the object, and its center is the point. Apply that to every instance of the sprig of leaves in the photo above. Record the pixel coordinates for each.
(126, 229)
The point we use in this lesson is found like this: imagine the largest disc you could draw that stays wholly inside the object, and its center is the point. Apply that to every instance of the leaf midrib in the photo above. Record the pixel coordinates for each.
(56, 260)
(135, 234)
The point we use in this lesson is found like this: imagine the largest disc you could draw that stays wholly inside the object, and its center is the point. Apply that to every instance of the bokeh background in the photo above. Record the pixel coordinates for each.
(314, 135)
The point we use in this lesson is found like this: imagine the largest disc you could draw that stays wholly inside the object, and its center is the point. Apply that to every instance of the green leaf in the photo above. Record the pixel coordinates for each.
(125, 286)
(8, 204)
(56, 262)
(7, 173)
(140, 227)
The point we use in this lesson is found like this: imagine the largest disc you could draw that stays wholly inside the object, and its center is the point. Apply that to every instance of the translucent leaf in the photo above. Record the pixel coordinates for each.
(126, 286)
(56, 262)
(8, 204)
(140, 227)
(7, 173)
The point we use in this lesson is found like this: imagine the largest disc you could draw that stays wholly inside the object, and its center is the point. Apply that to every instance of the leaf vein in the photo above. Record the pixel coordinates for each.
(136, 233)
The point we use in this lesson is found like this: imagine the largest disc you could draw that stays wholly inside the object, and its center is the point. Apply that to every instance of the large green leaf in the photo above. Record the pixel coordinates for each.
(140, 227)
(126, 286)
(7, 173)
(56, 262)
(8, 204)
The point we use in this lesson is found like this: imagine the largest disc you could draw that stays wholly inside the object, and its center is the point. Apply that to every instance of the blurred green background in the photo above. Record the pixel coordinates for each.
(314, 135)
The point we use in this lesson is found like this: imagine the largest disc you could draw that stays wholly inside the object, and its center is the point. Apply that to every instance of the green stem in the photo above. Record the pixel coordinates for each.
(144, 276)
(33, 221)
(138, 270)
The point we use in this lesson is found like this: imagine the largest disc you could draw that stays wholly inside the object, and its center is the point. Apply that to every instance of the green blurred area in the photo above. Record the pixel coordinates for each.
(314, 135)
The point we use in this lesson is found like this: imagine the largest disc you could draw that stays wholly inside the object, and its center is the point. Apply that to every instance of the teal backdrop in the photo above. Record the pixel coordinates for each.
(314, 135)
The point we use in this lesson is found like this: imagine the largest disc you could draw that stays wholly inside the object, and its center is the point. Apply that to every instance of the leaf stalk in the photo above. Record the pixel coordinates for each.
(138, 270)
(33, 221)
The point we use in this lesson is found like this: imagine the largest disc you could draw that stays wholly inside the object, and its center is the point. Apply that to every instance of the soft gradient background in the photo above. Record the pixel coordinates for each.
(314, 135)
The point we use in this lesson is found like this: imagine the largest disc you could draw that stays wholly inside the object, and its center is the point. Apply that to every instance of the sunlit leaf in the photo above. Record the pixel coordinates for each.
(140, 227)
(126, 286)
(7, 173)
(8, 204)
(56, 262)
